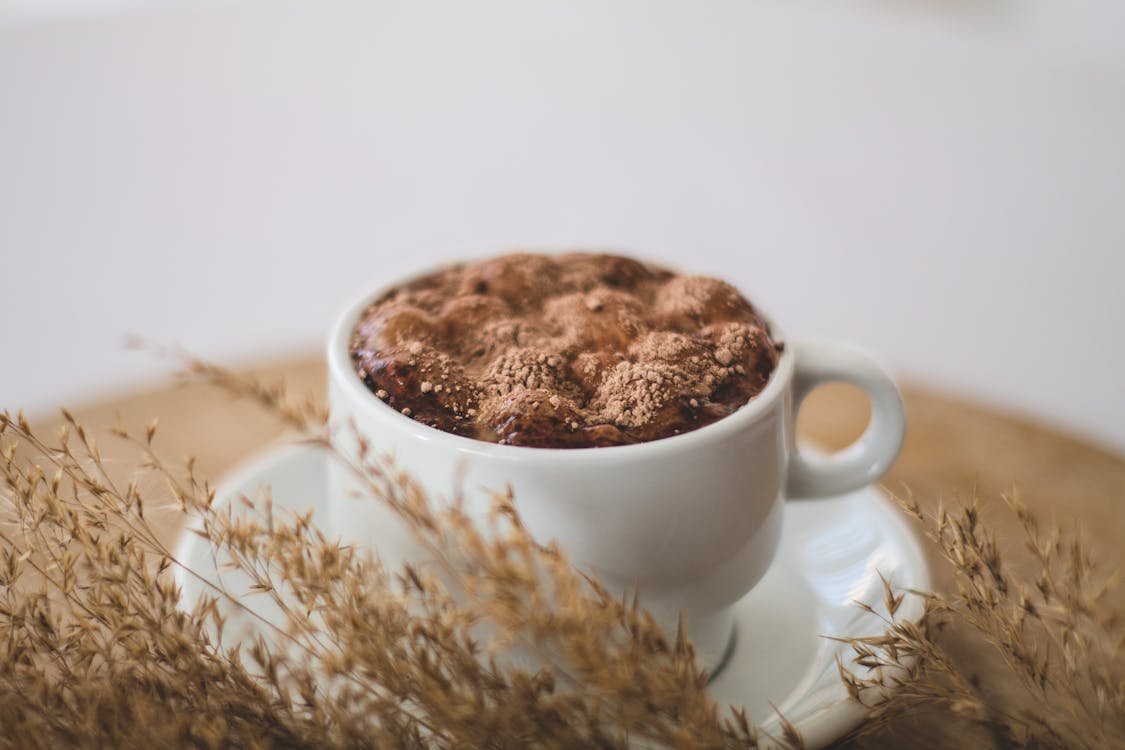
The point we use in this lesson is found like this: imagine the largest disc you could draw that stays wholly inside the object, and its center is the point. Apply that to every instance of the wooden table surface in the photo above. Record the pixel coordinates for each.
(952, 449)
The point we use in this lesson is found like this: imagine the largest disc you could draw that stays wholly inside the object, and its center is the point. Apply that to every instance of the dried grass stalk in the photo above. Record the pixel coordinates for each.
(95, 650)
(1045, 618)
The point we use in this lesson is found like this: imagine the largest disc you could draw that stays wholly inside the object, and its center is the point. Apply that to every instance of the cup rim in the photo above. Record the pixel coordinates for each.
(342, 373)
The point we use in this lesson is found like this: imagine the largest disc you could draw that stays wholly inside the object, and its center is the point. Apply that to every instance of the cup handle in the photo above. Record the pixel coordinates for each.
(869, 457)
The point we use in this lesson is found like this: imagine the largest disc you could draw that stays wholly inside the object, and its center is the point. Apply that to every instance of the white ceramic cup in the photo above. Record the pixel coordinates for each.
(693, 520)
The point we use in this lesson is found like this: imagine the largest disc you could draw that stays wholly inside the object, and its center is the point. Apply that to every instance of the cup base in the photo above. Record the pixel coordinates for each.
(712, 637)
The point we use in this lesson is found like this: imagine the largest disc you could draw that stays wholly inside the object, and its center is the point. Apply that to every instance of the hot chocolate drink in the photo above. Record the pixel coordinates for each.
(568, 351)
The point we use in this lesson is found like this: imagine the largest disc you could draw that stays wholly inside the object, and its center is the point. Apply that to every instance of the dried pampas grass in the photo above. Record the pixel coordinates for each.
(1059, 677)
(95, 650)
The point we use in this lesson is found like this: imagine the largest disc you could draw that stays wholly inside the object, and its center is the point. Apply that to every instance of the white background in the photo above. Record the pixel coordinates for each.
(942, 182)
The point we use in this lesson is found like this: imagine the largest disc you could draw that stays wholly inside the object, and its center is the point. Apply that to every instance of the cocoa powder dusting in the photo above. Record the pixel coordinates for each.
(567, 351)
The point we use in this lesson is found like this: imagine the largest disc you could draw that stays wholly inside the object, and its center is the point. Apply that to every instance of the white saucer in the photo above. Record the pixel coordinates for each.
(832, 552)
